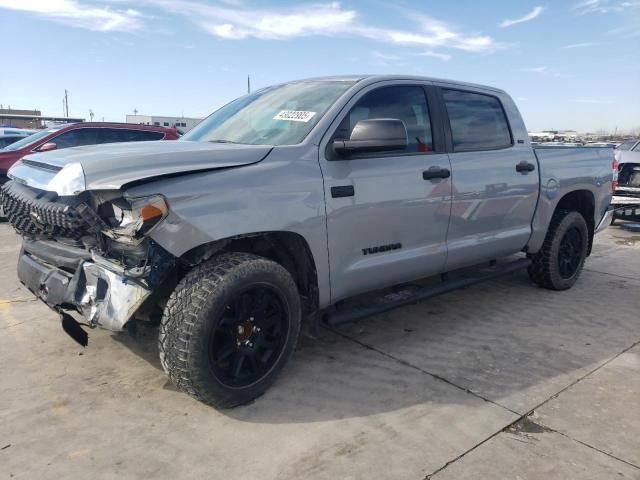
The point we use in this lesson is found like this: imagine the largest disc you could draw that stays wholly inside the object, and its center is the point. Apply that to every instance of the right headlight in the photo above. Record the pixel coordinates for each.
(135, 217)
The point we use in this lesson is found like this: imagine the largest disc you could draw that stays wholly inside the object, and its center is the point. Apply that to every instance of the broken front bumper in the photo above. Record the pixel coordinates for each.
(68, 282)
(626, 206)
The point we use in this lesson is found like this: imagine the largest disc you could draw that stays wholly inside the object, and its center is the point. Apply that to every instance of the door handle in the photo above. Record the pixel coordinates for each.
(525, 166)
(342, 191)
(436, 172)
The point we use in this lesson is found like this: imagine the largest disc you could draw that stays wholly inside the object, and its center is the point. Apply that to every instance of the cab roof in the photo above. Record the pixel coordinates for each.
(368, 79)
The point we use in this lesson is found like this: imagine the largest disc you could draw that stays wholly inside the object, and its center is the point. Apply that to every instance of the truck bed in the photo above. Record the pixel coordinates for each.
(564, 169)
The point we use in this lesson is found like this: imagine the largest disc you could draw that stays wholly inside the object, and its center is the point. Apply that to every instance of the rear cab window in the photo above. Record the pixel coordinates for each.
(478, 121)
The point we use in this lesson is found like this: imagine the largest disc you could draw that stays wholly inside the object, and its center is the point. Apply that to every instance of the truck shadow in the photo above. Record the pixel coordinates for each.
(505, 340)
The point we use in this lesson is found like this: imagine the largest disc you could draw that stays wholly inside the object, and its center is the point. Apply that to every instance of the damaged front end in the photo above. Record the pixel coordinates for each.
(90, 252)
(626, 197)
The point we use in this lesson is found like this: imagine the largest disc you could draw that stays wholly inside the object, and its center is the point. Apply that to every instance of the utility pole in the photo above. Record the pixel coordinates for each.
(135, 111)
(248, 84)
(66, 103)
(91, 114)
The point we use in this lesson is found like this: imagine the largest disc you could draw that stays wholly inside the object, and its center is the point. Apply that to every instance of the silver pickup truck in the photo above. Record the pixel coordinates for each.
(277, 209)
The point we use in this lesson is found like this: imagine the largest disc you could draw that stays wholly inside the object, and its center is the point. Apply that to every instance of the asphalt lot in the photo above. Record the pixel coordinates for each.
(499, 380)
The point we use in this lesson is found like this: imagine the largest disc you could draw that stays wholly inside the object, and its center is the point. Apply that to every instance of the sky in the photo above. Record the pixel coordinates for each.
(571, 64)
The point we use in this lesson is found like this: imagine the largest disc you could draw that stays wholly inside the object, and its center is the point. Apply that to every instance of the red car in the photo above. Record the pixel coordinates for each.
(77, 134)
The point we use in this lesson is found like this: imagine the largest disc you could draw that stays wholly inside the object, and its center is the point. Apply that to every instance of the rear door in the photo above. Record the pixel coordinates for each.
(386, 223)
(494, 178)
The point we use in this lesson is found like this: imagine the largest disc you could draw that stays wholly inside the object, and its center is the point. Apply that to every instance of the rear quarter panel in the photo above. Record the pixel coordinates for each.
(564, 170)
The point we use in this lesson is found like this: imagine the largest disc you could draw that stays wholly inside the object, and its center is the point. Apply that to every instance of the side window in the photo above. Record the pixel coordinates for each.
(406, 103)
(477, 121)
(114, 135)
(144, 135)
(76, 138)
(111, 135)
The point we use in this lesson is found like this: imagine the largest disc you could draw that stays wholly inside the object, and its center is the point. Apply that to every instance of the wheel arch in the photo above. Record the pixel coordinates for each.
(583, 202)
(289, 249)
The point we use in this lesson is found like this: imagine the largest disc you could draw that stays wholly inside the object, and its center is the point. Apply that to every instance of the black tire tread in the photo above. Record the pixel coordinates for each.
(540, 270)
(186, 304)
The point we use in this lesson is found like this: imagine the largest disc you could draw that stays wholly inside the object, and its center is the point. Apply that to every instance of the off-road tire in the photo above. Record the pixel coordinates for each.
(192, 311)
(544, 269)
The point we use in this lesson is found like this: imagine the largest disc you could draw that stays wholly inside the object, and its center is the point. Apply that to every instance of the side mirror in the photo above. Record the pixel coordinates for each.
(46, 147)
(375, 135)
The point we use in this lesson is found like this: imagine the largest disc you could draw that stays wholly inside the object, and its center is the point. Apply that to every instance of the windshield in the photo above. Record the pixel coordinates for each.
(281, 115)
(26, 141)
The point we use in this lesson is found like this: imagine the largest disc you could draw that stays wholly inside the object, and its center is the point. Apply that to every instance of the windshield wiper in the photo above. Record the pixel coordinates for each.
(223, 141)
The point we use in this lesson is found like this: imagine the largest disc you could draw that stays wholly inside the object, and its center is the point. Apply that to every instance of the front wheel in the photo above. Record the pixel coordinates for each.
(229, 327)
(559, 262)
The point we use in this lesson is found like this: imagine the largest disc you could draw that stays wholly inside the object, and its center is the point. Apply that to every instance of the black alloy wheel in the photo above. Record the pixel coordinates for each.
(570, 252)
(249, 337)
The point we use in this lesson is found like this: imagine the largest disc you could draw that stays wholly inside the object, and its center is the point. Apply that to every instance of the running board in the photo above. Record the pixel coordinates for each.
(347, 315)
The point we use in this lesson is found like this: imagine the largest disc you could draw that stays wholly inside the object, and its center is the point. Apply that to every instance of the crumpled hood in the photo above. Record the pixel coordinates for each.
(110, 166)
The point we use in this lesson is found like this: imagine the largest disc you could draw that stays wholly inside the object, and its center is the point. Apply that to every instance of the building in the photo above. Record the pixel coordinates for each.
(183, 124)
(11, 117)
(555, 136)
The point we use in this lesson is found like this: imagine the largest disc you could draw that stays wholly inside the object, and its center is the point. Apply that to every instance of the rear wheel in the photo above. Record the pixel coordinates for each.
(559, 262)
(229, 328)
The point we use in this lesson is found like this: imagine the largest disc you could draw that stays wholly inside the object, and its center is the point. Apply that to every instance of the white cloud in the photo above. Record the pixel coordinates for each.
(382, 59)
(535, 69)
(545, 71)
(507, 22)
(79, 14)
(580, 45)
(440, 56)
(236, 22)
(605, 6)
(232, 20)
(329, 19)
(627, 31)
(384, 56)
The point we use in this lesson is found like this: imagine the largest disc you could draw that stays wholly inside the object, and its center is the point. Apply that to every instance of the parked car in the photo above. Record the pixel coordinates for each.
(281, 205)
(626, 196)
(632, 144)
(79, 134)
(10, 135)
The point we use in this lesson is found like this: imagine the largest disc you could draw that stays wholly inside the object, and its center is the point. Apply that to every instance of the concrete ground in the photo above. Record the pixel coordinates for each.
(499, 380)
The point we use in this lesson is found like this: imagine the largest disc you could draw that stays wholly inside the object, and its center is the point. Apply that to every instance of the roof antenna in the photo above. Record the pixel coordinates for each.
(248, 84)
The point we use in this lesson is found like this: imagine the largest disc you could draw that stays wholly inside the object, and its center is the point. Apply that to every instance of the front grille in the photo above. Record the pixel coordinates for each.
(34, 212)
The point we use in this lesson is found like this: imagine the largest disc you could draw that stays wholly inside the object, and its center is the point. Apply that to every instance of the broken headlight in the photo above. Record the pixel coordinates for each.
(132, 218)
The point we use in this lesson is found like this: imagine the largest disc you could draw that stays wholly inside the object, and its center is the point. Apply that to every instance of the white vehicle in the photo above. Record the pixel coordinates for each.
(626, 197)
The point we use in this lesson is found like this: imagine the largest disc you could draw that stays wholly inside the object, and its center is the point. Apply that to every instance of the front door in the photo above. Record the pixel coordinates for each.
(386, 219)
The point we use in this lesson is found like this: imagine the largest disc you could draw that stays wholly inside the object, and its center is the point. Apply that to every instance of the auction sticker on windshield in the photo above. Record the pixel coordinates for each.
(294, 115)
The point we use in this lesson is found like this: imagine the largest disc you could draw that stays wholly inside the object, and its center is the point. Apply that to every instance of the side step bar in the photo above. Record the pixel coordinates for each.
(347, 315)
